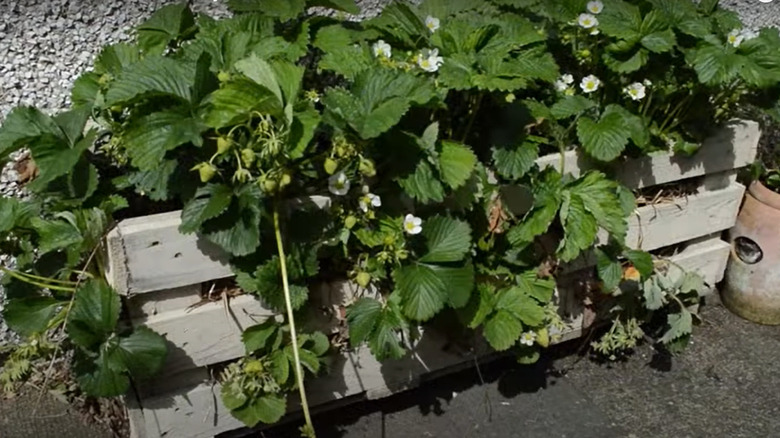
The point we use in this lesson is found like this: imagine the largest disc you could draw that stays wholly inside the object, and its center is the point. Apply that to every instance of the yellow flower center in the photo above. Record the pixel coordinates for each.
(425, 63)
(590, 84)
(410, 226)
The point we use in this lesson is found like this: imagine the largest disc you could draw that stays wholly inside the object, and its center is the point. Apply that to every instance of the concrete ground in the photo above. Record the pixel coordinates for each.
(727, 384)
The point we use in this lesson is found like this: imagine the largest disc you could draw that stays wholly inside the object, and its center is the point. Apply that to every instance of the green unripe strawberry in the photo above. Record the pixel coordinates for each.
(331, 166)
(269, 185)
(247, 157)
(223, 145)
(363, 279)
(350, 222)
(543, 337)
(367, 167)
(223, 76)
(285, 180)
(206, 171)
(253, 367)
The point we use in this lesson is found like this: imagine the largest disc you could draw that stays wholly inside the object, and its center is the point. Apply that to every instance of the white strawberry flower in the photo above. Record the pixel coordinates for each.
(528, 338)
(587, 21)
(412, 224)
(595, 32)
(595, 7)
(432, 23)
(563, 82)
(590, 84)
(338, 184)
(635, 91)
(368, 201)
(382, 49)
(735, 37)
(429, 60)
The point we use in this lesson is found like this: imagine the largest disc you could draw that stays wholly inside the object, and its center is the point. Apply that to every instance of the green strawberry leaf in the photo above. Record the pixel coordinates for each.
(447, 239)
(422, 185)
(456, 163)
(502, 330)
(362, 318)
(606, 138)
(142, 353)
(513, 162)
(94, 314)
(209, 202)
(680, 324)
(148, 138)
(256, 337)
(267, 408)
(28, 316)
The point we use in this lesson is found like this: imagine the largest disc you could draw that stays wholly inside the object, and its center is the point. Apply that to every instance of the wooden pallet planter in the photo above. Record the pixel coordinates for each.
(159, 272)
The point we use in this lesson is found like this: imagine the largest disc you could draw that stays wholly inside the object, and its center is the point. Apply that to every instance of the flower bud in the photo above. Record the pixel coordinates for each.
(223, 76)
(350, 222)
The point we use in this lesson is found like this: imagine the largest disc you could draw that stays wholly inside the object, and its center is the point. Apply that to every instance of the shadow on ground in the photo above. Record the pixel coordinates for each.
(727, 384)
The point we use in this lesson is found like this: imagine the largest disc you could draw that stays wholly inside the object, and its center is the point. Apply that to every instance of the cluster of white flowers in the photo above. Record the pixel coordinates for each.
(588, 20)
(737, 36)
(564, 82)
(428, 59)
(590, 84)
(339, 185)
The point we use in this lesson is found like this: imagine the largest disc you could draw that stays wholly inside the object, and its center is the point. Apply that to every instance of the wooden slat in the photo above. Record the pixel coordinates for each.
(148, 254)
(733, 147)
(197, 410)
(207, 334)
(701, 214)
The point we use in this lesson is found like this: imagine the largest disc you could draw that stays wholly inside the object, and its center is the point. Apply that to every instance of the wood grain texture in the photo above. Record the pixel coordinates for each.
(149, 254)
(656, 226)
(732, 147)
(196, 410)
(207, 334)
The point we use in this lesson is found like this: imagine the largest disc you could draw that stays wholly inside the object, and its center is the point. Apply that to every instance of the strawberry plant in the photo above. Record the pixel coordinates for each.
(410, 125)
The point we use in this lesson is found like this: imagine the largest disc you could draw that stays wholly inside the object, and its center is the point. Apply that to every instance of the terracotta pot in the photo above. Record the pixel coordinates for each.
(752, 283)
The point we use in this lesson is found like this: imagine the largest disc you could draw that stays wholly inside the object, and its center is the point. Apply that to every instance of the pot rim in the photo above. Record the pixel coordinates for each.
(764, 195)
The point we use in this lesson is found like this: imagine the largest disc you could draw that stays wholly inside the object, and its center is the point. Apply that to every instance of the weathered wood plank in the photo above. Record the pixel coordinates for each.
(733, 147)
(701, 214)
(206, 334)
(148, 254)
(149, 305)
(197, 411)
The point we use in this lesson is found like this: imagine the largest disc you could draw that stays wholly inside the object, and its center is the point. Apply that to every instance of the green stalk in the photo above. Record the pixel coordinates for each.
(17, 275)
(293, 334)
(42, 279)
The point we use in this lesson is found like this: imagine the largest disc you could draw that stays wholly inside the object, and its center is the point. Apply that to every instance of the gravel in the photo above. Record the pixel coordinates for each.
(46, 44)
